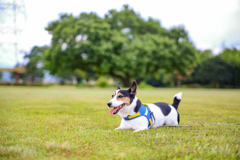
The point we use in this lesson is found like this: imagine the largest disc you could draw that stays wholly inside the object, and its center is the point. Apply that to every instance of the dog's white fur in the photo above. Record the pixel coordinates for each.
(141, 123)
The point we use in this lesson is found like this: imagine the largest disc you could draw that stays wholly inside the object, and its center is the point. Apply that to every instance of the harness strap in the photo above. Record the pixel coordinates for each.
(153, 117)
(133, 116)
(143, 111)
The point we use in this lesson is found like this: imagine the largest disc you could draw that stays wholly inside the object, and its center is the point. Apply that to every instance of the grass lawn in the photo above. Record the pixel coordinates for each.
(73, 123)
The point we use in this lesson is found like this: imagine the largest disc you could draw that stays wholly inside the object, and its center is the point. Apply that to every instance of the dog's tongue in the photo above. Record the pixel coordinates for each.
(114, 110)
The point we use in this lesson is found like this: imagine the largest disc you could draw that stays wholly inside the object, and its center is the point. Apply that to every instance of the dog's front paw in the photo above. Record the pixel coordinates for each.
(141, 129)
(118, 128)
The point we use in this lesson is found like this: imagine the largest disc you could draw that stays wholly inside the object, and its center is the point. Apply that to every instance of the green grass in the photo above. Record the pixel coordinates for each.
(73, 123)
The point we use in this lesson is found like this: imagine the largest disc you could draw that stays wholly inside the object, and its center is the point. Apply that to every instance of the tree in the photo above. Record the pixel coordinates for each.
(232, 57)
(34, 65)
(122, 45)
(205, 55)
(215, 71)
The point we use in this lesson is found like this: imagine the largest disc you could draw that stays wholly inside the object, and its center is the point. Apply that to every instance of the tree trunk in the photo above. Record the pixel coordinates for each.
(217, 84)
(179, 83)
(16, 74)
(32, 78)
(139, 80)
(172, 82)
(126, 82)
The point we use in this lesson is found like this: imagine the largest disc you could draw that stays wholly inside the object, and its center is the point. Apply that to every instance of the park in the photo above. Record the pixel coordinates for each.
(88, 54)
(75, 123)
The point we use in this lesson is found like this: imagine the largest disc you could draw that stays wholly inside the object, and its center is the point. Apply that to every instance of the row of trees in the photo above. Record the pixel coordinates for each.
(125, 46)
(219, 71)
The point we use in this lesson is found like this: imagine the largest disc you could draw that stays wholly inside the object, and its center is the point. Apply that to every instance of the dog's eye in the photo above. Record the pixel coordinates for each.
(112, 96)
(120, 96)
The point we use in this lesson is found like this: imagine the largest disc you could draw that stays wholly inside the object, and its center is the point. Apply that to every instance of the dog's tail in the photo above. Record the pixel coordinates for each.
(176, 100)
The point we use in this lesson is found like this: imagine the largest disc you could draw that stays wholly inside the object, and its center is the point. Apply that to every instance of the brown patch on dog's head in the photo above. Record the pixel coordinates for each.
(122, 97)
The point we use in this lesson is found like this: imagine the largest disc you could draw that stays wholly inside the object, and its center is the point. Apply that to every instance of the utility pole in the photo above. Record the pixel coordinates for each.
(12, 21)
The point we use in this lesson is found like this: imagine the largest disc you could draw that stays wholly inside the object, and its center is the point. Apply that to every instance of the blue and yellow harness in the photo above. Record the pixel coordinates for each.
(143, 111)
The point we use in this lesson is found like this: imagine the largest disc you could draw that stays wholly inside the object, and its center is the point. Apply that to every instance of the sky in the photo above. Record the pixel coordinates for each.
(211, 24)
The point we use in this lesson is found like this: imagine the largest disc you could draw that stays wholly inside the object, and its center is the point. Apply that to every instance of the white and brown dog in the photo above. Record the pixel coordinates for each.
(139, 116)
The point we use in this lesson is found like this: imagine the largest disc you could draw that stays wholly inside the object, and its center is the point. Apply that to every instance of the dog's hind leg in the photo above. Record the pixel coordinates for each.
(171, 123)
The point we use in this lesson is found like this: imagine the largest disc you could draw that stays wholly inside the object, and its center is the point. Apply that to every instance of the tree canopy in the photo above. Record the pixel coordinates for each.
(34, 65)
(122, 44)
(222, 70)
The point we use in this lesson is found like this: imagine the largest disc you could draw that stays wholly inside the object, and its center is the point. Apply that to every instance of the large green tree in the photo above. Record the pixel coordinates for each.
(122, 45)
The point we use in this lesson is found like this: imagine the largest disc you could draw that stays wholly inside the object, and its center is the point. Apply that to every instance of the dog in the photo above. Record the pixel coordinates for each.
(139, 116)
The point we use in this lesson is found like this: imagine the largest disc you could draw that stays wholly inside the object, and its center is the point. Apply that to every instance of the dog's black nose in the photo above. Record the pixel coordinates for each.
(109, 104)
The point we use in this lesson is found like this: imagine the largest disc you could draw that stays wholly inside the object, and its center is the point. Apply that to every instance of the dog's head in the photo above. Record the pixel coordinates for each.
(122, 98)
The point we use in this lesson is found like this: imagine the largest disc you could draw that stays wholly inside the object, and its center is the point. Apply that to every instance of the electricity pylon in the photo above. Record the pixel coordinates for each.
(12, 23)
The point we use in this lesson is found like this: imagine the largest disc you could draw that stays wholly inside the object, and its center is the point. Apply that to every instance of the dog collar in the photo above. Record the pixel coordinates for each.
(143, 111)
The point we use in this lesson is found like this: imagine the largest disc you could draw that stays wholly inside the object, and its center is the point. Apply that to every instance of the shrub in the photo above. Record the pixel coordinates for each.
(102, 82)
(144, 85)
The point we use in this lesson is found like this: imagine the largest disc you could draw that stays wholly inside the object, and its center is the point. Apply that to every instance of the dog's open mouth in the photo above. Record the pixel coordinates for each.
(116, 109)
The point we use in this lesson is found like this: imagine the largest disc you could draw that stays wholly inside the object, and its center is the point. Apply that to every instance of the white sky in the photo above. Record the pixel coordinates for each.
(211, 24)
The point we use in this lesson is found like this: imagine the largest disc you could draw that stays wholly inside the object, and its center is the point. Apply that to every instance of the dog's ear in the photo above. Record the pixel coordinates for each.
(118, 87)
(133, 88)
